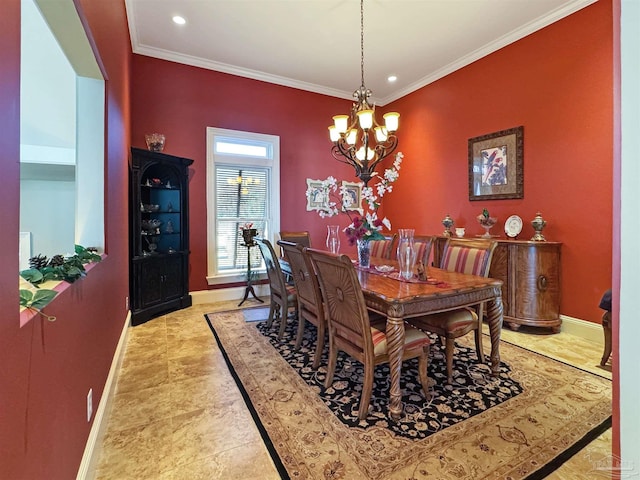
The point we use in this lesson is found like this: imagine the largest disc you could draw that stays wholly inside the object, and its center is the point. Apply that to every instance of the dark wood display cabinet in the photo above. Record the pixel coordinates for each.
(159, 234)
(530, 272)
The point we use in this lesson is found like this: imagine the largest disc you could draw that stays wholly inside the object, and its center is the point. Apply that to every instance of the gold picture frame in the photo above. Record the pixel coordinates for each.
(317, 198)
(353, 191)
(496, 165)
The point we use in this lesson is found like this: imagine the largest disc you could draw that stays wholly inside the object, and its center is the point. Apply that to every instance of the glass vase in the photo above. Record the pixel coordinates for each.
(406, 252)
(364, 253)
(333, 239)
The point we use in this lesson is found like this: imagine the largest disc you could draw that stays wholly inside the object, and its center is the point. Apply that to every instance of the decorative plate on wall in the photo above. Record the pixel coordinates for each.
(513, 226)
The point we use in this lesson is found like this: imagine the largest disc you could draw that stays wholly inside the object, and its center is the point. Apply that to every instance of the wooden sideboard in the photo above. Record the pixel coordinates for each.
(530, 272)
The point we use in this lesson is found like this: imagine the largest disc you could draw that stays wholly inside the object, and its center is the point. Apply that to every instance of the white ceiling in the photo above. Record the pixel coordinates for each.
(315, 44)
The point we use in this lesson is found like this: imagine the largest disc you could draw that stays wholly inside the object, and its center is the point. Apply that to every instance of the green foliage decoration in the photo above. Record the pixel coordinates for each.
(59, 268)
(70, 270)
(38, 300)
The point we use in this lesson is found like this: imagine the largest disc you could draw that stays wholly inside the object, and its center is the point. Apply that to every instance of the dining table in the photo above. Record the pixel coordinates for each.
(400, 299)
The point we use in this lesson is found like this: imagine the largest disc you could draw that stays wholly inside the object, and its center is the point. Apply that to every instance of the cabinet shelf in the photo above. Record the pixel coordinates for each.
(159, 279)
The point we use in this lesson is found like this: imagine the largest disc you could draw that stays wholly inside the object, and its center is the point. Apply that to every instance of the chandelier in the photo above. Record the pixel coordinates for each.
(358, 139)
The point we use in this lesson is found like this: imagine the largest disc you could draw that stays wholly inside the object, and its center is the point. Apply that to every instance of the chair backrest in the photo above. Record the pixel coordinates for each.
(345, 308)
(302, 238)
(383, 248)
(468, 256)
(423, 244)
(276, 278)
(304, 278)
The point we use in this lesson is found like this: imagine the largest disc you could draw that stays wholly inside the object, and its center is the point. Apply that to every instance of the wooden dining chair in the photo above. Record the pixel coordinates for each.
(383, 248)
(302, 237)
(351, 329)
(464, 256)
(283, 296)
(310, 306)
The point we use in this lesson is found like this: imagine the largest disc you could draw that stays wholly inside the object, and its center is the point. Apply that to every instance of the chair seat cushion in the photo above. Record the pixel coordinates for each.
(450, 322)
(413, 338)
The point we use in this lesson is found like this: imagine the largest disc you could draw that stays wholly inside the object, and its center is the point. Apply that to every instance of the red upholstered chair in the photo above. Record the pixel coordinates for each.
(465, 256)
(383, 248)
(351, 329)
(310, 306)
(283, 296)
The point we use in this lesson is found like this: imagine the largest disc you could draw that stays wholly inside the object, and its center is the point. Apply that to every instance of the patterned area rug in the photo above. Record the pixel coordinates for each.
(521, 425)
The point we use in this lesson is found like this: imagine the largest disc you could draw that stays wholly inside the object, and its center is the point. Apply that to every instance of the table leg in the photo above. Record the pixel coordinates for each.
(395, 350)
(494, 319)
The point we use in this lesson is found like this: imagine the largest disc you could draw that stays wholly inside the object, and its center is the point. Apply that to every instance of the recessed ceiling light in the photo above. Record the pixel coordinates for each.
(179, 20)
(392, 78)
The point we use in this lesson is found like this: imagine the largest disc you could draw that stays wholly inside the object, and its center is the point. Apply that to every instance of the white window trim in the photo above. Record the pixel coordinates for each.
(274, 194)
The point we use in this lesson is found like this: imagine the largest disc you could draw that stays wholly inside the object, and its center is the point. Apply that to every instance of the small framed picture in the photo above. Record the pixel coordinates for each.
(352, 196)
(496, 165)
(317, 195)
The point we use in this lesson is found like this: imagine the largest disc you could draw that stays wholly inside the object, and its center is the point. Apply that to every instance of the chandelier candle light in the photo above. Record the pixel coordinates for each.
(358, 140)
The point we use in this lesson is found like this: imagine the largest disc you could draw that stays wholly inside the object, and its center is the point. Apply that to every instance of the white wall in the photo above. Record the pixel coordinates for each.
(629, 333)
(39, 200)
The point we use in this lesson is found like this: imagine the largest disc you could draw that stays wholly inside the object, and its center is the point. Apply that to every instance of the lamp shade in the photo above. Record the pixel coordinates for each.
(341, 123)
(352, 136)
(334, 135)
(391, 121)
(381, 134)
(365, 118)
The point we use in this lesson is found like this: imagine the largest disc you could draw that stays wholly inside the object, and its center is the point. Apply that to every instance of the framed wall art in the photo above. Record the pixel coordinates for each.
(496, 165)
(317, 195)
(352, 196)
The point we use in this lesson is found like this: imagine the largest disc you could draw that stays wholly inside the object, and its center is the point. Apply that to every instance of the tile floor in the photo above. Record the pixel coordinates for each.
(177, 413)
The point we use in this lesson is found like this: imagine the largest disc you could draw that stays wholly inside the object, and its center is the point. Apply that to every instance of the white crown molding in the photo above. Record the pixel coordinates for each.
(481, 52)
(239, 71)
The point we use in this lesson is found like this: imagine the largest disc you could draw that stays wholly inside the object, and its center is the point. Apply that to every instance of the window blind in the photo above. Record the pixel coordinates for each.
(241, 198)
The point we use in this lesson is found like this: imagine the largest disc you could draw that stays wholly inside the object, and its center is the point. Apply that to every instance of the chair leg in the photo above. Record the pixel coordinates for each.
(365, 397)
(606, 327)
(331, 367)
(272, 314)
(319, 344)
(423, 365)
(449, 354)
(284, 315)
(301, 323)
(479, 348)
(478, 334)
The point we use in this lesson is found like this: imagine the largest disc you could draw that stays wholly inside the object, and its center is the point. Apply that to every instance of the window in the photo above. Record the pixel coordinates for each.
(243, 186)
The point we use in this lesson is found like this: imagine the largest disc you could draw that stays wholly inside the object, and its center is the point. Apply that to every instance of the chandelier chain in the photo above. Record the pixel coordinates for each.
(362, 42)
(358, 140)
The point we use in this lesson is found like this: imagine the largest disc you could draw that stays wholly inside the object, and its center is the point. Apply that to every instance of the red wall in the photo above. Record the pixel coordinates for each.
(558, 84)
(46, 369)
(182, 101)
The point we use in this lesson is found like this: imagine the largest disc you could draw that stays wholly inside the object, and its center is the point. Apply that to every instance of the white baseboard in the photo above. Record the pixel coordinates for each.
(88, 465)
(221, 294)
(581, 328)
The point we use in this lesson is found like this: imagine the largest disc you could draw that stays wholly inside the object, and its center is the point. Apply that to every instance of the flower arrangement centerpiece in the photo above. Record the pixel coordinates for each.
(486, 221)
(365, 226)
